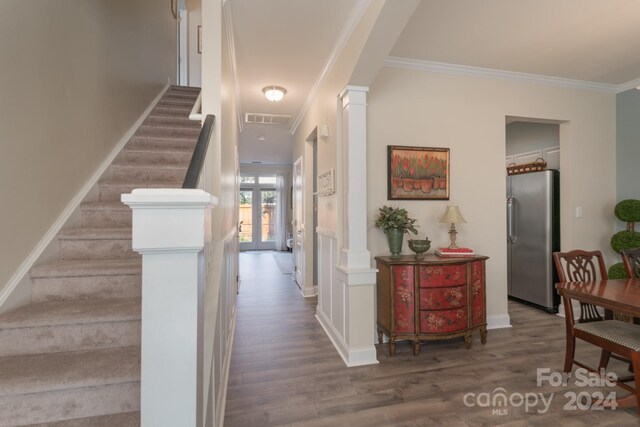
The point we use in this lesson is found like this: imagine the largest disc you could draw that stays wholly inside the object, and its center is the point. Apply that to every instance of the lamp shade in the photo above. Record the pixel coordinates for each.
(452, 216)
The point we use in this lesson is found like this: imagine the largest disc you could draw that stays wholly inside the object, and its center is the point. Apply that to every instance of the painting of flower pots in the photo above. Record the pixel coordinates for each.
(417, 173)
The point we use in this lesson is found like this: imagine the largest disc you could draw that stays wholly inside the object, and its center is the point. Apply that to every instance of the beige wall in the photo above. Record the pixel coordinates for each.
(74, 76)
(467, 115)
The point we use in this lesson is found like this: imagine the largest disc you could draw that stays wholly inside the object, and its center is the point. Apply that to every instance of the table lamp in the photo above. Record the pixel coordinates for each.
(452, 216)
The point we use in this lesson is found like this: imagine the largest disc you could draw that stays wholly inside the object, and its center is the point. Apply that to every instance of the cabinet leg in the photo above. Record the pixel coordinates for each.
(416, 348)
(483, 335)
(379, 336)
(467, 340)
(392, 347)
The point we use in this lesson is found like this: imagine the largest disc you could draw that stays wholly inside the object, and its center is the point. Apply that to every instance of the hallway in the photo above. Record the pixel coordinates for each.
(285, 371)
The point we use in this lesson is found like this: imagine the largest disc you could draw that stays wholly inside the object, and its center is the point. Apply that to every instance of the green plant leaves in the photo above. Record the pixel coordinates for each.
(390, 217)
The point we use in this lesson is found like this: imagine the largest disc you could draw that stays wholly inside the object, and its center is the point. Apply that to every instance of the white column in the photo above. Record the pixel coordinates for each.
(170, 229)
(354, 271)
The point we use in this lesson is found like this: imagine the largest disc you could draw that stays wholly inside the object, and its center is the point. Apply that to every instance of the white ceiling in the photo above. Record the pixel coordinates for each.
(288, 43)
(591, 40)
(285, 43)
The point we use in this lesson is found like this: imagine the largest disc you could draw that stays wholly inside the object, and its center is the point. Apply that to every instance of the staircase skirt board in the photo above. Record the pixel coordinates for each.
(71, 357)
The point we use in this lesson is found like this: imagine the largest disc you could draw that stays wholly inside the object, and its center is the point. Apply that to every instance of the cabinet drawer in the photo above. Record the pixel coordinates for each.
(442, 321)
(445, 275)
(443, 298)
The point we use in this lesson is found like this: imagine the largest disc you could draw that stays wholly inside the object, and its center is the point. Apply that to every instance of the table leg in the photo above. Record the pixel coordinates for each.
(483, 335)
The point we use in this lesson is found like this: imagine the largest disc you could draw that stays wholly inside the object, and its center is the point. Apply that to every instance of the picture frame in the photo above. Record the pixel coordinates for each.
(199, 39)
(418, 173)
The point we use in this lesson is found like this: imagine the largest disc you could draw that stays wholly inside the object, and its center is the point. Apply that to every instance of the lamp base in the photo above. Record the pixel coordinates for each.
(452, 236)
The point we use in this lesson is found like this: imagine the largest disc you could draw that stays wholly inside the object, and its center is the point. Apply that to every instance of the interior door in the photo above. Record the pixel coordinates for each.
(298, 223)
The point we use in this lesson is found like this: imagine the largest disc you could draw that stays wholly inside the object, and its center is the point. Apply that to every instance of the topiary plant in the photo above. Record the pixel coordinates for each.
(628, 211)
(617, 271)
(625, 240)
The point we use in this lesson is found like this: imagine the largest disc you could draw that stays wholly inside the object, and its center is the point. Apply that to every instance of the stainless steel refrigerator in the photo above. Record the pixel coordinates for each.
(533, 234)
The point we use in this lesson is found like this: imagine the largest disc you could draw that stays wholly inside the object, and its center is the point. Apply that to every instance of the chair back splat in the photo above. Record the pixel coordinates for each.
(581, 266)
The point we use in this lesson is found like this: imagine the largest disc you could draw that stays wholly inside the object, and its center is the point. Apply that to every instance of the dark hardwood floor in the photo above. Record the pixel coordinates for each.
(285, 371)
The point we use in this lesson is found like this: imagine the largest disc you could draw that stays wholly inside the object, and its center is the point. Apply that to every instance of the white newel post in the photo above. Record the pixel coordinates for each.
(170, 229)
(354, 269)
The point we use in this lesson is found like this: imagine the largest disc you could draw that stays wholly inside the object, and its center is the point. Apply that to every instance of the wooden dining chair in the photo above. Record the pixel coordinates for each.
(631, 260)
(581, 266)
(613, 337)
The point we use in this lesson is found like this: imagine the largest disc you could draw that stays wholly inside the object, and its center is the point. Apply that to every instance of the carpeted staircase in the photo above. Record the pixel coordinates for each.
(71, 357)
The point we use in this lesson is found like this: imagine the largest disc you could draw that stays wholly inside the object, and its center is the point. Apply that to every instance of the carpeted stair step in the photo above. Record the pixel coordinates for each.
(179, 131)
(184, 104)
(111, 190)
(162, 142)
(105, 214)
(129, 419)
(170, 156)
(172, 120)
(55, 326)
(68, 280)
(96, 243)
(69, 385)
(169, 111)
(146, 171)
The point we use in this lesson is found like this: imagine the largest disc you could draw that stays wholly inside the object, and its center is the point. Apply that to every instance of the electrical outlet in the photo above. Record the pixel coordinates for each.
(579, 212)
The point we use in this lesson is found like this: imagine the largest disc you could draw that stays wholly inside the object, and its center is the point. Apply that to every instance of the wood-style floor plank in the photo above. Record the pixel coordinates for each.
(285, 371)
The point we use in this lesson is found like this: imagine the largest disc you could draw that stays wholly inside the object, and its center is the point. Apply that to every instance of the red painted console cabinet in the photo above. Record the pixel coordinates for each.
(430, 299)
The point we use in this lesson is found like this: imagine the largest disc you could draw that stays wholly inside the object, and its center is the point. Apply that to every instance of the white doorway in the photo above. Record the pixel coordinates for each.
(183, 57)
(298, 223)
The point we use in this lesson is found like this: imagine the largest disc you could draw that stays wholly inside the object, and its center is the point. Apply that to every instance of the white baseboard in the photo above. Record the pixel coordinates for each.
(350, 356)
(13, 295)
(224, 382)
(308, 292)
(498, 321)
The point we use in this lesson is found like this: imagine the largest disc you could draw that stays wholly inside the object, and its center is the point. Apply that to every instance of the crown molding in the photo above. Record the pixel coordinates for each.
(464, 70)
(352, 21)
(633, 84)
(231, 46)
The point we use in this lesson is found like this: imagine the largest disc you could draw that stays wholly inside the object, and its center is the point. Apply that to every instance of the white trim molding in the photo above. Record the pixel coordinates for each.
(352, 21)
(351, 357)
(326, 232)
(231, 46)
(20, 275)
(498, 321)
(466, 70)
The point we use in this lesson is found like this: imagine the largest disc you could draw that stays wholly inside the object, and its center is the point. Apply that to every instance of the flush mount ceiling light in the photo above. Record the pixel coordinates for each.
(274, 93)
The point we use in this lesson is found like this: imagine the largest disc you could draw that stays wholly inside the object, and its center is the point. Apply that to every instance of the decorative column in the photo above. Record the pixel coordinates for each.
(170, 229)
(354, 271)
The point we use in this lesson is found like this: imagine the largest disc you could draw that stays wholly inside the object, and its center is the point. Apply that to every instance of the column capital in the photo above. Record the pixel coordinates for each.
(354, 95)
(169, 219)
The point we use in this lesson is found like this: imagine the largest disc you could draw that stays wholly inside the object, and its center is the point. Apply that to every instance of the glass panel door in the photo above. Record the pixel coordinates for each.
(258, 213)
(269, 213)
(246, 217)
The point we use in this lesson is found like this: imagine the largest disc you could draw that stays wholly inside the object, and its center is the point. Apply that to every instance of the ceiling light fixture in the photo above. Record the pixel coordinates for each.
(262, 138)
(274, 93)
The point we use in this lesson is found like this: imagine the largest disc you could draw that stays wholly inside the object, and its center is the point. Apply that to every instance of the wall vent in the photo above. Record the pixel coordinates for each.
(266, 119)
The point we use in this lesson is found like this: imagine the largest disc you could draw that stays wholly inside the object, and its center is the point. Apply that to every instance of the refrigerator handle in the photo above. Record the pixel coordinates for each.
(511, 237)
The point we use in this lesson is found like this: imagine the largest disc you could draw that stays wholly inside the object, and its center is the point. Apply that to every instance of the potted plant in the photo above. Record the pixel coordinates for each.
(395, 222)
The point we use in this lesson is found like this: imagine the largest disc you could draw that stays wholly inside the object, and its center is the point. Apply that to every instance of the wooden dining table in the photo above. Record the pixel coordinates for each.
(617, 295)
(614, 295)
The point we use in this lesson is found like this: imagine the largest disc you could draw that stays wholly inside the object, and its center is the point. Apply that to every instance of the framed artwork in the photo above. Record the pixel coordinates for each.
(417, 173)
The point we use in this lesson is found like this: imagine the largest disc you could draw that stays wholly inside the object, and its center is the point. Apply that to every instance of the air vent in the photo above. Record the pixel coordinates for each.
(256, 162)
(266, 119)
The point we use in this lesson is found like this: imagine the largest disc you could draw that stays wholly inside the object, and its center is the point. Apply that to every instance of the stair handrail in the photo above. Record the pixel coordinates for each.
(197, 160)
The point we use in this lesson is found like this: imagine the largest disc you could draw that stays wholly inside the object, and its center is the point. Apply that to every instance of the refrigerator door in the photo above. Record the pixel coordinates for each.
(530, 237)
